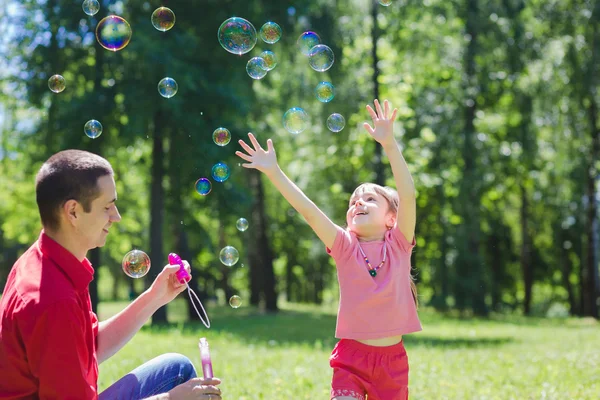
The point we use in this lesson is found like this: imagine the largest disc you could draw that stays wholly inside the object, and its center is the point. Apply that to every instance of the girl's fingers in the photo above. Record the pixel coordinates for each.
(254, 142)
(270, 146)
(243, 156)
(248, 165)
(386, 109)
(393, 117)
(369, 128)
(248, 149)
(378, 108)
(373, 114)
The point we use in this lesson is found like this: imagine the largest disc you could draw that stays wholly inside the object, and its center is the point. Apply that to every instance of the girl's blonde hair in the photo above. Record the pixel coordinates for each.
(391, 195)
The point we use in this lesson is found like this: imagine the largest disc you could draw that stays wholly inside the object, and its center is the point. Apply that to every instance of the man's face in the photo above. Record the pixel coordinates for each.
(93, 227)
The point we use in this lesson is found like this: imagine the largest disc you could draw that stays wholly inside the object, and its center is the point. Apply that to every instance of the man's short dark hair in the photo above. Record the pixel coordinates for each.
(68, 175)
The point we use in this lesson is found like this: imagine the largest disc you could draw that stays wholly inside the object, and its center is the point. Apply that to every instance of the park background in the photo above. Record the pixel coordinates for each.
(498, 121)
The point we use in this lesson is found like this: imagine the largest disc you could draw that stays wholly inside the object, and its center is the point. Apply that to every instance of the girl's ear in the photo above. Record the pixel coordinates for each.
(391, 220)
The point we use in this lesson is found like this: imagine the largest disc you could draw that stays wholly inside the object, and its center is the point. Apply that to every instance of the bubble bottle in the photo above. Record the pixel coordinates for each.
(205, 357)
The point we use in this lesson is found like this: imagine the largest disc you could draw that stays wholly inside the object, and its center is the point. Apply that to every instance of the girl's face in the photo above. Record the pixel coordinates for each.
(369, 213)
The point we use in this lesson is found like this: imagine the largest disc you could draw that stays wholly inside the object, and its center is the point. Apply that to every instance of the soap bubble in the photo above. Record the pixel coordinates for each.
(229, 256)
(385, 3)
(57, 83)
(113, 33)
(256, 68)
(167, 87)
(320, 58)
(90, 7)
(220, 172)
(307, 41)
(325, 92)
(237, 35)
(270, 59)
(295, 120)
(136, 264)
(203, 186)
(163, 19)
(336, 122)
(92, 129)
(241, 224)
(235, 301)
(221, 136)
(270, 32)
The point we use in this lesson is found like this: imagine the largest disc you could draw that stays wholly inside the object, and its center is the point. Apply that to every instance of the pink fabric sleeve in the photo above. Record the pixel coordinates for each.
(400, 240)
(342, 245)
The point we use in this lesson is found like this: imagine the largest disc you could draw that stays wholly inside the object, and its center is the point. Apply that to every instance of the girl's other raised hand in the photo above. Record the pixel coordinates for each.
(258, 158)
(383, 122)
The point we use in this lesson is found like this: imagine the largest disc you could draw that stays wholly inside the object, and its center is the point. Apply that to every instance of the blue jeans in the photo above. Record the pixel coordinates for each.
(158, 375)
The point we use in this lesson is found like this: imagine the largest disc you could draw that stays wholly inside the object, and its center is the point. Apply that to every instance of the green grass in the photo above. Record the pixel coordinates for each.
(285, 356)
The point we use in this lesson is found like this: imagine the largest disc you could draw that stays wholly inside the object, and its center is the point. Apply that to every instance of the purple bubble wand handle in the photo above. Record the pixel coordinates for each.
(182, 275)
(207, 371)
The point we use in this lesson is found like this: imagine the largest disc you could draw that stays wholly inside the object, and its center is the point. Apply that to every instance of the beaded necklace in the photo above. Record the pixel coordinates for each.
(373, 271)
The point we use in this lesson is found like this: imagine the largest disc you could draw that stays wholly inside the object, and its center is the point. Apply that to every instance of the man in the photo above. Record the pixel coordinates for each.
(50, 339)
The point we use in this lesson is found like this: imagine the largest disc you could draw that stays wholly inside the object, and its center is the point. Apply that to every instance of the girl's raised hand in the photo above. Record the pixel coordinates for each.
(383, 123)
(257, 157)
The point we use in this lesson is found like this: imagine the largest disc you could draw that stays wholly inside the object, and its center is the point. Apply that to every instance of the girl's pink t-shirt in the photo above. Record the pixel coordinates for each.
(380, 306)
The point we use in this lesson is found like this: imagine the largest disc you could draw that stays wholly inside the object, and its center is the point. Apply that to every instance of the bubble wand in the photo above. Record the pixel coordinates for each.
(183, 277)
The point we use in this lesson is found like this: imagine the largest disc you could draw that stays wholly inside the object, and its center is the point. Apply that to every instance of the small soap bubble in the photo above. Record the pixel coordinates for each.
(325, 92)
(229, 256)
(90, 7)
(136, 264)
(295, 120)
(203, 186)
(307, 41)
(163, 19)
(221, 136)
(57, 83)
(235, 301)
(113, 33)
(237, 35)
(242, 265)
(92, 129)
(336, 122)
(270, 32)
(256, 68)
(385, 3)
(320, 58)
(241, 224)
(220, 172)
(270, 59)
(167, 87)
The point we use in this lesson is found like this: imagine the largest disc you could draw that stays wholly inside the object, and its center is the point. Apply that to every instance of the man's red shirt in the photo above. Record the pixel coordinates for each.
(48, 330)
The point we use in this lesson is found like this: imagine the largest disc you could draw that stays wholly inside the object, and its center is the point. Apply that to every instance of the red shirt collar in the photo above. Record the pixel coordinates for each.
(80, 273)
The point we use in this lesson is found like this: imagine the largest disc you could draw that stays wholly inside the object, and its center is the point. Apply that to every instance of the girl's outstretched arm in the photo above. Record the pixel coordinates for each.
(266, 162)
(383, 132)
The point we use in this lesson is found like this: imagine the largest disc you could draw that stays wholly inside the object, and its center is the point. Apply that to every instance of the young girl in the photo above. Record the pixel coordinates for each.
(372, 256)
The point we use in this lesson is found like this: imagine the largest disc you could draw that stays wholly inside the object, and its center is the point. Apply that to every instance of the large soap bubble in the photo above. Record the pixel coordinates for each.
(237, 35)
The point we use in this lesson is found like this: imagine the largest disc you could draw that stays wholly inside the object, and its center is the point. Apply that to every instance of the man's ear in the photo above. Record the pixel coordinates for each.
(70, 211)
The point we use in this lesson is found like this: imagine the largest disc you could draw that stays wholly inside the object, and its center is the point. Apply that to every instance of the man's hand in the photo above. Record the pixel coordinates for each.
(166, 286)
(197, 388)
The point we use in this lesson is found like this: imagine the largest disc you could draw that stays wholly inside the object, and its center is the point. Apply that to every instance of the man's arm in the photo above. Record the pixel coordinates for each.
(115, 332)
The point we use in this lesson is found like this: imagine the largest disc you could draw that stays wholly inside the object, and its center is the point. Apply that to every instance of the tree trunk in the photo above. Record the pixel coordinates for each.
(470, 284)
(262, 275)
(379, 167)
(526, 267)
(157, 209)
(590, 274)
